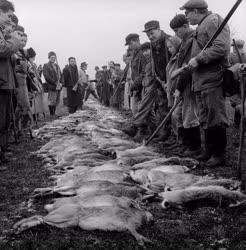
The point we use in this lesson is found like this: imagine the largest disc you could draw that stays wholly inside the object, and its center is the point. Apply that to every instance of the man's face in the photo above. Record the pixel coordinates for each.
(154, 35)
(180, 32)
(72, 62)
(9, 27)
(117, 67)
(52, 59)
(133, 44)
(104, 69)
(84, 67)
(5, 16)
(146, 53)
(171, 48)
(23, 41)
(192, 16)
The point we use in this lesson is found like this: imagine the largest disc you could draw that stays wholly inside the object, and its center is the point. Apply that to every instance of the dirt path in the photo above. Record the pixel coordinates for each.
(203, 228)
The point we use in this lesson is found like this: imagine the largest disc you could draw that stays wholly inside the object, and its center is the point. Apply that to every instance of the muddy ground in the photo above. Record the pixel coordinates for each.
(203, 228)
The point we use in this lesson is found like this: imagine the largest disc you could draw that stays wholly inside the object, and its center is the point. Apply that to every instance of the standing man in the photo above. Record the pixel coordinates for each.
(159, 57)
(52, 75)
(190, 131)
(137, 64)
(7, 81)
(98, 82)
(71, 76)
(106, 87)
(137, 68)
(207, 77)
(83, 82)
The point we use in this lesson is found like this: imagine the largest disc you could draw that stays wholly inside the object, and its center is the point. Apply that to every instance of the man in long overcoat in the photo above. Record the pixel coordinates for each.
(71, 76)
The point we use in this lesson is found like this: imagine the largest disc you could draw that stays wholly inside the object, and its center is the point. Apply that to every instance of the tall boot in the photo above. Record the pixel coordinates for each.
(206, 153)
(54, 110)
(193, 142)
(50, 109)
(180, 140)
(218, 146)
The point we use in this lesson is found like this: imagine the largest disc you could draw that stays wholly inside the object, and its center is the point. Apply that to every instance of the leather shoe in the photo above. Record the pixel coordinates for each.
(215, 160)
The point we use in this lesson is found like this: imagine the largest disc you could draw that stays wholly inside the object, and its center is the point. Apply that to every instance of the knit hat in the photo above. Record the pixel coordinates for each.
(31, 53)
(178, 21)
(51, 53)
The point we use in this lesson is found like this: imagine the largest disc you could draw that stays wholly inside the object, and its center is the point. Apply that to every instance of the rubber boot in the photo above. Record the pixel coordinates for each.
(141, 133)
(51, 110)
(206, 153)
(130, 130)
(218, 146)
(193, 142)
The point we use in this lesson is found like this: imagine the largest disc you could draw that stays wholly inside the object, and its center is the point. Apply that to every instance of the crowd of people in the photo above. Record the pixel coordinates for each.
(168, 71)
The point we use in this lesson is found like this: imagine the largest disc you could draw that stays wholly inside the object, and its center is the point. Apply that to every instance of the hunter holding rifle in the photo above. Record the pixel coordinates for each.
(207, 67)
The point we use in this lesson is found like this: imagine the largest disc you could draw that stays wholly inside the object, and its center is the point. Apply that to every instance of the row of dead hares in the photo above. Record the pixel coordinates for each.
(103, 193)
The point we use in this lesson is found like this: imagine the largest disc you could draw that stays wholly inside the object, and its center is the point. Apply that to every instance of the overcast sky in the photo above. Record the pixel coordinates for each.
(94, 30)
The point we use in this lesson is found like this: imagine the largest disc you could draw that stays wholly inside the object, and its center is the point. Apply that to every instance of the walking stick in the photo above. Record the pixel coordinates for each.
(13, 118)
(241, 172)
(241, 144)
(35, 111)
(165, 120)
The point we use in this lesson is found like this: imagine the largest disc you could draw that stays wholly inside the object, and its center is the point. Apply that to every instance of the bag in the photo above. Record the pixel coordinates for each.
(45, 87)
(230, 85)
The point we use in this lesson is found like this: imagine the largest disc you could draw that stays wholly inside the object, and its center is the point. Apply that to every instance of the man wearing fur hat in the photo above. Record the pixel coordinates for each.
(53, 77)
(7, 81)
(207, 77)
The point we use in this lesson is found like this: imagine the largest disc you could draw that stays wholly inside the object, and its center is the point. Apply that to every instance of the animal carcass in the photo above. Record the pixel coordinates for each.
(188, 162)
(143, 176)
(133, 156)
(106, 218)
(211, 195)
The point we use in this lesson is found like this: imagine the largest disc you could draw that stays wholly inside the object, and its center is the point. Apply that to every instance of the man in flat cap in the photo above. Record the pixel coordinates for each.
(160, 57)
(137, 65)
(137, 69)
(189, 133)
(145, 119)
(207, 76)
(53, 77)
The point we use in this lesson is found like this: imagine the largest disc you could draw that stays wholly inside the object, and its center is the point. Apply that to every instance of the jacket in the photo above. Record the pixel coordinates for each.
(70, 76)
(160, 56)
(138, 63)
(52, 76)
(214, 59)
(7, 49)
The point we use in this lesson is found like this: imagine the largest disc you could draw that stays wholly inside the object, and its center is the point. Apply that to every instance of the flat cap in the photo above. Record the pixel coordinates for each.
(195, 4)
(239, 43)
(153, 24)
(117, 64)
(83, 64)
(131, 37)
(145, 46)
(178, 21)
(104, 66)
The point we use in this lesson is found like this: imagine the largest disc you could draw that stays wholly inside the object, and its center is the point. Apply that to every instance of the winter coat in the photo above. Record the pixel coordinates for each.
(214, 59)
(7, 49)
(52, 75)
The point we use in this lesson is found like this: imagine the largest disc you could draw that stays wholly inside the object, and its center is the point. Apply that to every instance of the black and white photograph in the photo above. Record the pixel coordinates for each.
(122, 124)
